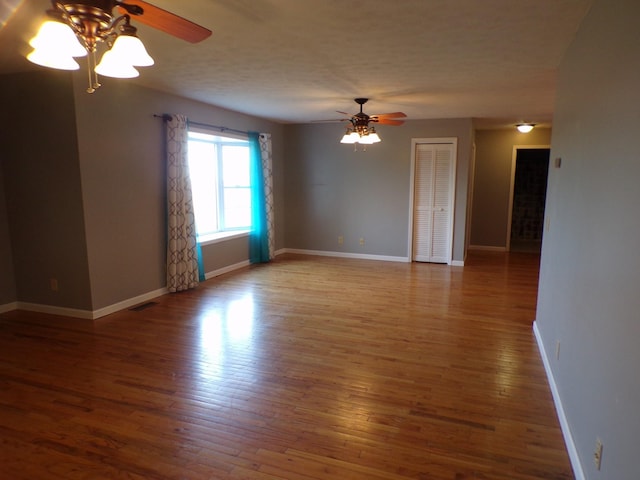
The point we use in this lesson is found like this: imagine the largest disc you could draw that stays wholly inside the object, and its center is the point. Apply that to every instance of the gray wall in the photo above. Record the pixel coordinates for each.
(590, 270)
(85, 189)
(494, 155)
(332, 190)
(7, 278)
(42, 187)
(122, 165)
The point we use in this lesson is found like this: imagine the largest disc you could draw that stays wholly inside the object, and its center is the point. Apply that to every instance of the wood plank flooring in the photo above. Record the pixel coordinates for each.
(306, 368)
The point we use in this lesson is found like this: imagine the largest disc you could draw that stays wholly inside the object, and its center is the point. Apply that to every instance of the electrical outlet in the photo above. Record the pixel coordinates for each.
(53, 282)
(597, 454)
(557, 349)
(361, 241)
(340, 240)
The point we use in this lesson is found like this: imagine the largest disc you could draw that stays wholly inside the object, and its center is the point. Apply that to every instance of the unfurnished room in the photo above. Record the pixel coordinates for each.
(312, 240)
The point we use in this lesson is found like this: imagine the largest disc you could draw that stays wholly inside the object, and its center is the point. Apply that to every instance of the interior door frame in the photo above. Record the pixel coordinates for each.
(514, 158)
(452, 199)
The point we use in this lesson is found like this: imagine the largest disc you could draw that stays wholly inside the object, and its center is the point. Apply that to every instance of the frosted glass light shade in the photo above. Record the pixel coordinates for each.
(370, 138)
(131, 50)
(525, 127)
(373, 137)
(59, 39)
(52, 59)
(112, 66)
(350, 137)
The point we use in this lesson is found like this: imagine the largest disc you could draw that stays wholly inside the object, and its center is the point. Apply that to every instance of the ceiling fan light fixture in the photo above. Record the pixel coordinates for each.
(369, 139)
(52, 59)
(55, 45)
(115, 66)
(56, 36)
(130, 49)
(84, 24)
(525, 127)
(350, 137)
(373, 136)
(362, 130)
(75, 28)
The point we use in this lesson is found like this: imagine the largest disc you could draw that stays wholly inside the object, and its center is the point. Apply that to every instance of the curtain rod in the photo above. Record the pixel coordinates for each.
(166, 116)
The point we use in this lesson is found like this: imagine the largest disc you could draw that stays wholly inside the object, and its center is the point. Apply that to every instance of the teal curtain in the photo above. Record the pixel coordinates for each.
(258, 236)
(201, 275)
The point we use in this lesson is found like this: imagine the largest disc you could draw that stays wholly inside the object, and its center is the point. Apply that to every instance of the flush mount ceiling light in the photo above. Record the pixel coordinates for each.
(361, 132)
(525, 127)
(75, 28)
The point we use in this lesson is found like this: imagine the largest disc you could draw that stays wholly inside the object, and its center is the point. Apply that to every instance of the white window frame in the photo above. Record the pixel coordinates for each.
(227, 233)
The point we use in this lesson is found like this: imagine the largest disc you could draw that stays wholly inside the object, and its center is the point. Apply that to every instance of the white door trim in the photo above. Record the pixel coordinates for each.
(436, 140)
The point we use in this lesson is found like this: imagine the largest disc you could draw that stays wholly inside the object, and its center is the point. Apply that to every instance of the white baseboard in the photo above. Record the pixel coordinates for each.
(53, 310)
(564, 424)
(8, 307)
(101, 312)
(158, 293)
(362, 256)
(487, 248)
(128, 303)
(384, 258)
(227, 269)
(90, 314)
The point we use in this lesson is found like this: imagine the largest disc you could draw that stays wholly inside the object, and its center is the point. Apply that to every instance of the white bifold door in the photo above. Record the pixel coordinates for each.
(433, 198)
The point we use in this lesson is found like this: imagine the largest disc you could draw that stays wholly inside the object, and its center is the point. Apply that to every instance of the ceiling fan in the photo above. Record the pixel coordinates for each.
(76, 27)
(163, 20)
(360, 130)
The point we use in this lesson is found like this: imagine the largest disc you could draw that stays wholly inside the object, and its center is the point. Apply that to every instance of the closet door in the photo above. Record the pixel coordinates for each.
(433, 202)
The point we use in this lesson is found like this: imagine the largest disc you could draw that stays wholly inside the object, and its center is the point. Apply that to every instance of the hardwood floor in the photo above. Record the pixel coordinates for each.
(305, 368)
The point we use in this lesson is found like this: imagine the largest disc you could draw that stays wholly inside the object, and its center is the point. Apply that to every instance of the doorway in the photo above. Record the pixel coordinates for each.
(529, 172)
(432, 193)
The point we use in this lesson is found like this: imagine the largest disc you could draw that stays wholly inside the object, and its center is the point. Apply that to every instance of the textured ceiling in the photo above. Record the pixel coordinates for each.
(301, 60)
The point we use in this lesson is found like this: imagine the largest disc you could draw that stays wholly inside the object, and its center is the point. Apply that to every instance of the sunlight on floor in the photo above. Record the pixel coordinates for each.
(225, 329)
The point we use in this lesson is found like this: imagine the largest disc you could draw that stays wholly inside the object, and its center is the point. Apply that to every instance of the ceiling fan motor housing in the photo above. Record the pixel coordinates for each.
(92, 19)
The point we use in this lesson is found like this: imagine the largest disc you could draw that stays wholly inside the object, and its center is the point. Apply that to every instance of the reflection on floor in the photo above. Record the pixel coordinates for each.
(306, 368)
(526, 246)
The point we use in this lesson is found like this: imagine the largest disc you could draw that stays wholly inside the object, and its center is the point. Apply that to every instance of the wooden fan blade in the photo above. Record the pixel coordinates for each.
(168, 22)
(333, 120)
(345, 113)
(388, 121)
(390, 115)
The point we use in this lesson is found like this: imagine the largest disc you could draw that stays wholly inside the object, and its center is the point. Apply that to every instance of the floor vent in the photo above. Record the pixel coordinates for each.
(143, 306)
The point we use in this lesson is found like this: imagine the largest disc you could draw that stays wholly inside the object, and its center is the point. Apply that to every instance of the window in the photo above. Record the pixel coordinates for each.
(220, 184)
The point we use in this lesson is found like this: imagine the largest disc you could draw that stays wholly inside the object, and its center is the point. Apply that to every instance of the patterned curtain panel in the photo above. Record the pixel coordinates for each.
(267, 170)
(182, 247)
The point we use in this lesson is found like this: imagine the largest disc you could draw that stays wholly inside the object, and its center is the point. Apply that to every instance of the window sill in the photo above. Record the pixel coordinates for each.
(222, 237)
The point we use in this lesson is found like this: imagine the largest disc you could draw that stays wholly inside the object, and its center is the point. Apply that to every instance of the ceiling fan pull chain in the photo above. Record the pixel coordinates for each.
(90, 88)
(96, 83)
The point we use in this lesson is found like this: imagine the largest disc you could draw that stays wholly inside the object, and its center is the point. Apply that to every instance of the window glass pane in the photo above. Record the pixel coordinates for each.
(219, 172)
(203, 175)
(235, 166)
(237, 207)
(200, 136)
